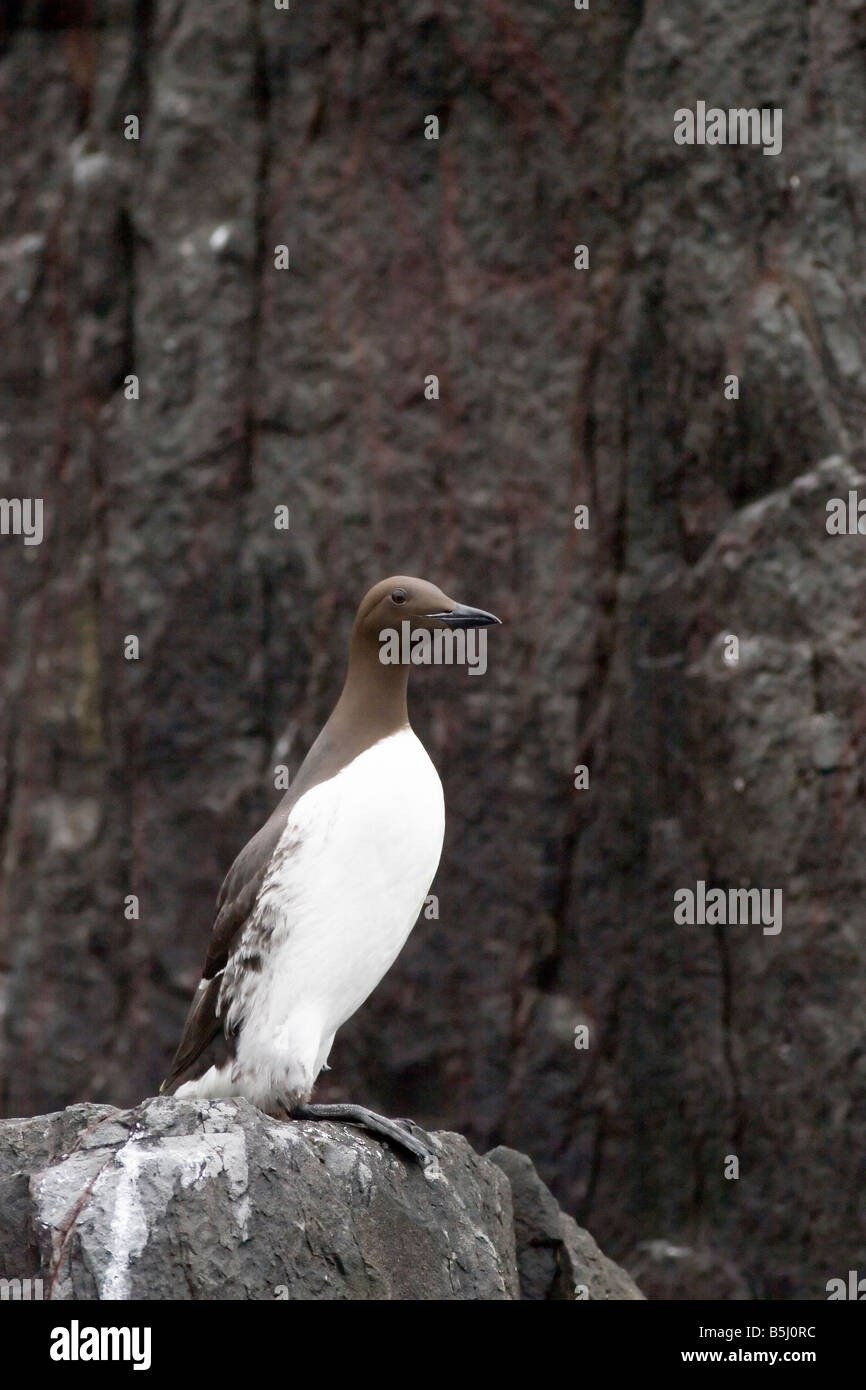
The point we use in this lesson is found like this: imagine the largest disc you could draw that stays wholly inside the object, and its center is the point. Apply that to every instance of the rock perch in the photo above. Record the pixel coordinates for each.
(192, 1199)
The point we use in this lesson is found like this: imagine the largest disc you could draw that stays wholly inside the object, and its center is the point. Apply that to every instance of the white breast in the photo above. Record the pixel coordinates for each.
(346, 885)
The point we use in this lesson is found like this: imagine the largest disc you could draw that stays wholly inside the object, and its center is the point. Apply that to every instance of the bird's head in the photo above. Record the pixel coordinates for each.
(401, 598)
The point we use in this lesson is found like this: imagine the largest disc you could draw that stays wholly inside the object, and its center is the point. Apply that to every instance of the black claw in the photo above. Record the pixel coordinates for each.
(404, 1133)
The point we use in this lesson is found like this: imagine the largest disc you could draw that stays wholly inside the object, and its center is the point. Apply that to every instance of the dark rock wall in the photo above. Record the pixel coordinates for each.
(261, 387)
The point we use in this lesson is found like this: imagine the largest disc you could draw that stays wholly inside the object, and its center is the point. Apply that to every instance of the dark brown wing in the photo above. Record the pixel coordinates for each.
(235, 903)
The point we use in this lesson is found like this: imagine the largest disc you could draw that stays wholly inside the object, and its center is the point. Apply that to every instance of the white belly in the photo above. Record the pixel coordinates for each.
(347, 883)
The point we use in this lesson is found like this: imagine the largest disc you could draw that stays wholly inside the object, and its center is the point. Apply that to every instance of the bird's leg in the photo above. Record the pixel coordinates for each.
(405, 1133)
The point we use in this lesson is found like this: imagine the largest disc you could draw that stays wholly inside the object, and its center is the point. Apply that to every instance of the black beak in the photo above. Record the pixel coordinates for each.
(461, 616)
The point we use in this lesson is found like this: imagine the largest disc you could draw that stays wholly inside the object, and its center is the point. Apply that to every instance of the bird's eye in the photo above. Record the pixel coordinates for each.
(399, 596)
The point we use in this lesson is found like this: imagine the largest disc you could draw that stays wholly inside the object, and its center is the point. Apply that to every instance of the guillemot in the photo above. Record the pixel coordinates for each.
(317, 906)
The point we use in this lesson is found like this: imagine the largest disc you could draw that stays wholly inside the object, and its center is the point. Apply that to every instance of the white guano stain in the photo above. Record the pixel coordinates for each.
(187, 1160)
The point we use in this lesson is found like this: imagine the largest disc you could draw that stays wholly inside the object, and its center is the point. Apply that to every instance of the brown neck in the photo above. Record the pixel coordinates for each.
(371, 706)
(373, 701)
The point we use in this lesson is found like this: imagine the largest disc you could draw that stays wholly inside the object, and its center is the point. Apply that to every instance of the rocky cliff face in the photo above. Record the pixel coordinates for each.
(259, 388)
(213, 1200)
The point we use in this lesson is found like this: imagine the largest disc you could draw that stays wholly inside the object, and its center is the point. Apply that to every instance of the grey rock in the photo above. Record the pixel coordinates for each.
(214, 1200)
(556, 1258)
(181, 1199)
